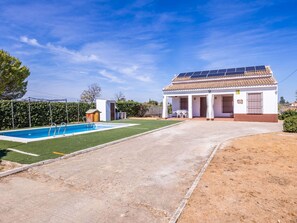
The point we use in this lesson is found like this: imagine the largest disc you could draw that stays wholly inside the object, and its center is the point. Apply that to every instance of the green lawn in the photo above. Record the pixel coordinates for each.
(70, 144)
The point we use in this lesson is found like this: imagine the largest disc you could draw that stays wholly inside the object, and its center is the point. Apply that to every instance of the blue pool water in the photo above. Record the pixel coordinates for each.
(44, 132)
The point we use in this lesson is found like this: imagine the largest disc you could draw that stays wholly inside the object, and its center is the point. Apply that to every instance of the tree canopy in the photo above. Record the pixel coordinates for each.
(120, 96)
(12, 77)
(282, 100)
(90, 95)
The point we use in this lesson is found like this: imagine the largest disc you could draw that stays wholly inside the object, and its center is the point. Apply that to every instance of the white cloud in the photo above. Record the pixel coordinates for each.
(136, 62)
(32, 42)
(110, 77)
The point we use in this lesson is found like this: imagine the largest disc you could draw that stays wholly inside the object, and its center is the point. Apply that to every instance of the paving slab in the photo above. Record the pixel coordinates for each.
(138, 180)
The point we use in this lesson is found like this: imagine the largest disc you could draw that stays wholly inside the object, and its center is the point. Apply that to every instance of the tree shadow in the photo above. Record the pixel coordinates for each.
(3, 153)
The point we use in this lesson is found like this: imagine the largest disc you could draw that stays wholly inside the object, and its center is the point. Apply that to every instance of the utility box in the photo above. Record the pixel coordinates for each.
(107, 109)
(93, 115)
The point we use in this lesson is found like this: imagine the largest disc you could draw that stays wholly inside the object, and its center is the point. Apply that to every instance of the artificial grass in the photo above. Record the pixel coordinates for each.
(71, 144)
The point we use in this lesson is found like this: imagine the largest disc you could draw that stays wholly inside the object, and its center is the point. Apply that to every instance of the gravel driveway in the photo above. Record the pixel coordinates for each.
(138, 180)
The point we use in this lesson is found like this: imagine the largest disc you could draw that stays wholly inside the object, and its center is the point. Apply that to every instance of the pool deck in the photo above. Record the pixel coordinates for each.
(138, 180)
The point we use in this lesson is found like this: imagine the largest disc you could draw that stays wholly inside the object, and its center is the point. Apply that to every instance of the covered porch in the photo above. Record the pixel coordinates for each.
(199, 106)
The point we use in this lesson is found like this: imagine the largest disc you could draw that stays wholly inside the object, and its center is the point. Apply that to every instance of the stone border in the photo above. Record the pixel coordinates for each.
(186, 198)
(26, 167)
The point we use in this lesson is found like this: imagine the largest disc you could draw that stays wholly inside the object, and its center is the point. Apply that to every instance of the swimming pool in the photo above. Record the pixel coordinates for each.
(36, 134)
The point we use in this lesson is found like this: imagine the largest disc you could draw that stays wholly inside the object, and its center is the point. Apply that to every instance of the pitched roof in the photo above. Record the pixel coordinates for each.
(212, 80)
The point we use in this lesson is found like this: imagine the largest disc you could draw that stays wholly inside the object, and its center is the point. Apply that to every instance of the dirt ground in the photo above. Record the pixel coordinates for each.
(252, 179)
(7, 165)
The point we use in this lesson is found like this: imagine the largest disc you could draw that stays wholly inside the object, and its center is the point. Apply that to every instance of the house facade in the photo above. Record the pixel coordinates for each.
(244, 93)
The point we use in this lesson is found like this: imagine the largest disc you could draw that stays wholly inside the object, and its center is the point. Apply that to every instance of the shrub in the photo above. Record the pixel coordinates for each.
(132, 108)
(290, 124)
(287, 114)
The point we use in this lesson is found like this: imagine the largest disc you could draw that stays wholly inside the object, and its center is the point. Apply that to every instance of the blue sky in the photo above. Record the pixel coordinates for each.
(136, 46)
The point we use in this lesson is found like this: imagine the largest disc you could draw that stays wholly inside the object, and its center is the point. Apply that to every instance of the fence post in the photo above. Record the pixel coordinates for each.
(29, 113)
(50, 108)
(12, 115)
(67, 112)
(77, 111)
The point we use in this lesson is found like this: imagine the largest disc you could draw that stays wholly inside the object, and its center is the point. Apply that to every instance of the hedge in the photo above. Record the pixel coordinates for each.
(290, 124)
(40, 113)
(287, 114)
(132, 108)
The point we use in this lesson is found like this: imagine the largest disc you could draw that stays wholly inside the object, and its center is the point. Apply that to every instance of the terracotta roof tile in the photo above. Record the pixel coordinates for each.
(223, 83)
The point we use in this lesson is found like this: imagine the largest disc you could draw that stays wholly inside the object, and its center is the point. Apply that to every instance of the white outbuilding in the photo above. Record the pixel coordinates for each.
(107, 109)
(243, 93)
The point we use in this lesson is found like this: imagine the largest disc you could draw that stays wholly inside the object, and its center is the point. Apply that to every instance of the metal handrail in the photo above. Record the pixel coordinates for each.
(49, 131)
(90, 125)
(65, 127)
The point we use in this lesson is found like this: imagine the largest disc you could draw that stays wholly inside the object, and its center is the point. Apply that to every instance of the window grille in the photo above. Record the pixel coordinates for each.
(255, 103)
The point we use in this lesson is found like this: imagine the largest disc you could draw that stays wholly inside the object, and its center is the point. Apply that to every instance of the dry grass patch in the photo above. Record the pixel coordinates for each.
(252, 179)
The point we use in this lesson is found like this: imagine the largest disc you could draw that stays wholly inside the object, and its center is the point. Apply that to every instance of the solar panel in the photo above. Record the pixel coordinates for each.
(188, 74)
(216, 75)
(250, 68)
(181, 75)
(197, 73)
(260, 67)
(231, 70)
(213, 71)
(222, 70)
(240, 69)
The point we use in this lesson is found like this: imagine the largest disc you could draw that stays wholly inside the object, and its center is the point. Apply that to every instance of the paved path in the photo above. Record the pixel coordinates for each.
(139, 180)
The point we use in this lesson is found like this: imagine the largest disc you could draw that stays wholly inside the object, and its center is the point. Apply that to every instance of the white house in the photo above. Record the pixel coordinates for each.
(244, 93)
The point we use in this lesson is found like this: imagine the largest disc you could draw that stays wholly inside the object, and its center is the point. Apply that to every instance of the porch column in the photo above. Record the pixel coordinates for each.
(165, 109)
(209, 110)
(190, 106)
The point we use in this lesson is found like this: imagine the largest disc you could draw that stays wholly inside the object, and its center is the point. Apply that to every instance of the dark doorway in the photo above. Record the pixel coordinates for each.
(227, 104)
(112, 111)
(203, 107)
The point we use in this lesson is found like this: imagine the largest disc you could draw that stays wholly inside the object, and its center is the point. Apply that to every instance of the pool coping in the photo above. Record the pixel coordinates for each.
(26, 140)
(79, 152)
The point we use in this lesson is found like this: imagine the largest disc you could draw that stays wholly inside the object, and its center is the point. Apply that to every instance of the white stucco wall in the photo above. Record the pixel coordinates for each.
(270, 99)
(175, 103)
(218, 107)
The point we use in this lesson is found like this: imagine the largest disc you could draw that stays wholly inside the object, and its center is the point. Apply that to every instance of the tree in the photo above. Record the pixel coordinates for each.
(90, 95)
(152, 102)
(120, 96)
(12, 77)
(282, 100)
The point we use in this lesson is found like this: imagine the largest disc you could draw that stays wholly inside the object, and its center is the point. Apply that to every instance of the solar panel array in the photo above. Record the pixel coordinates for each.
(222, 72)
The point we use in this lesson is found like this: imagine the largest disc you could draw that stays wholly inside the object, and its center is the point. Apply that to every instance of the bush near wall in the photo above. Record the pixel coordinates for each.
(287, 113)
(40, 113)
(132, 108)
(290, 124)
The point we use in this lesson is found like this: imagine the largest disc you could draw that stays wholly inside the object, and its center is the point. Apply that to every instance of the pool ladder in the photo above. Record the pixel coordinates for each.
(55, 130)
(90, 125)
(63, 124)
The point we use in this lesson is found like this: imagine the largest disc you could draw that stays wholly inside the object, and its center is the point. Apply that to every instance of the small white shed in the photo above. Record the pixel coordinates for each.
(107, 109)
